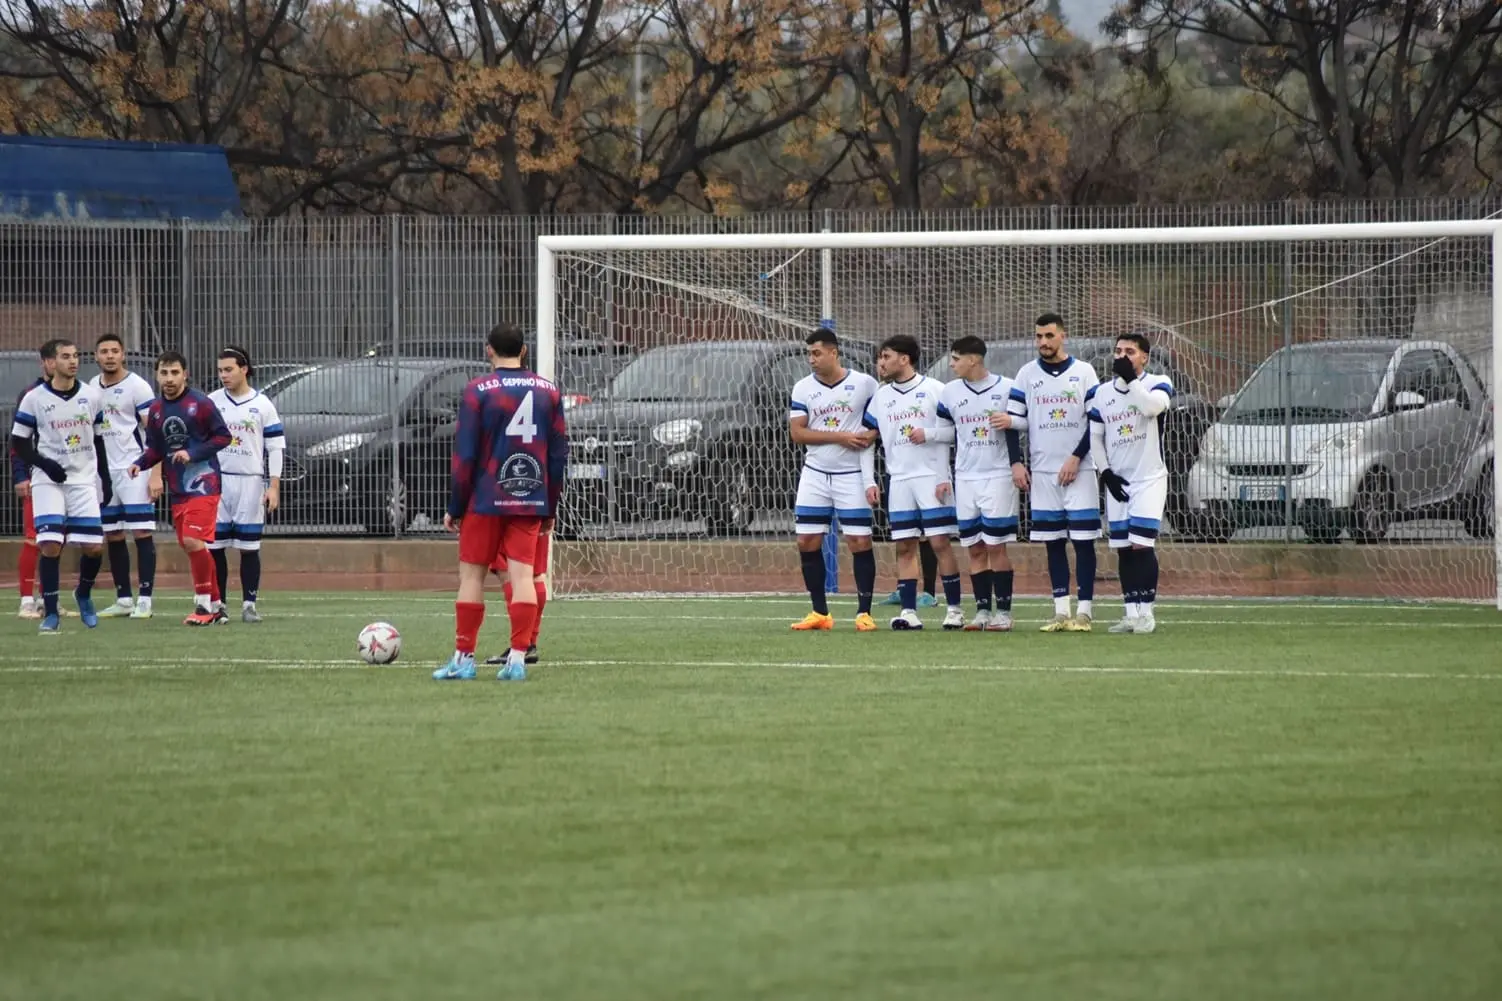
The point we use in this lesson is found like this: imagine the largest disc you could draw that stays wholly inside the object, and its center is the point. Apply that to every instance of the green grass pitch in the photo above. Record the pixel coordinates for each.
(1279, 801)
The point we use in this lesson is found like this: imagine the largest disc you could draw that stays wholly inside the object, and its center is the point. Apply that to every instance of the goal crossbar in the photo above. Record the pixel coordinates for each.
(550, 248)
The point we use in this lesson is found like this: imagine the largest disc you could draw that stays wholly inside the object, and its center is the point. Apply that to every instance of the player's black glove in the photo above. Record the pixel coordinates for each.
(1124, 369)
(54, 469)
(1114, 483)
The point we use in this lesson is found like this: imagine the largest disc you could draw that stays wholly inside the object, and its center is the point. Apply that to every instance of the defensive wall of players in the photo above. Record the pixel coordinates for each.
(1421, 571)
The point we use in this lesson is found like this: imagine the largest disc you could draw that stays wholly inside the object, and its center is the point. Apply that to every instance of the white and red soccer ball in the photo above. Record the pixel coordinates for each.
(379, 643)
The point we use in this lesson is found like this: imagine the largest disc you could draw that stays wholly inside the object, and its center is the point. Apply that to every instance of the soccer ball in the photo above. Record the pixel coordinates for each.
(379, 643)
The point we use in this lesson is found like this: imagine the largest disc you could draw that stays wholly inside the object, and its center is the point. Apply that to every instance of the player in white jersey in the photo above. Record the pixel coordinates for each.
(828, 416)
(252, 475)
(985, 498)
(55, 432)
(1126, 441)
(1063, 494)
(125, 397)
(916, 434)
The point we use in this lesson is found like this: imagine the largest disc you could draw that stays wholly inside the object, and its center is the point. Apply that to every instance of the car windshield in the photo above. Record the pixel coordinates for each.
(1001, 359)
(1323, 386)
(717, 372)
(16, 374)
(362, 389)
(587, 373)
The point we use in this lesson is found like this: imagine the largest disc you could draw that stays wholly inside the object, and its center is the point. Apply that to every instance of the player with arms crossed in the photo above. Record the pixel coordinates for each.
(185, 432)
(506, 479)
(252, 470)
(1126, 441)
(1063, 494)
(125, 397)
(20, 479)
(984, 494)
(828, 415)
(56, 433)
(916, 432)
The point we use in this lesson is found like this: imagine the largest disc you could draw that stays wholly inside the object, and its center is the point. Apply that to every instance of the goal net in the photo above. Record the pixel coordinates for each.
(1332, 433)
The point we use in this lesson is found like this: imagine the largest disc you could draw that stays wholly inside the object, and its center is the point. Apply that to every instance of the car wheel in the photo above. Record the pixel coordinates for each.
(387, 512)
(1198, 526)
(1323, 535)
(731, 512)
(1480, 514)
(1374, 509)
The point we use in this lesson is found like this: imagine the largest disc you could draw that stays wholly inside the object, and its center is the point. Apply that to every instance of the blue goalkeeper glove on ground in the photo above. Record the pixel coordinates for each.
(1116, 485)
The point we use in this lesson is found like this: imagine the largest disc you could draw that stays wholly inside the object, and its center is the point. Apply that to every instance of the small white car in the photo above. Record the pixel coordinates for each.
(1351, 435)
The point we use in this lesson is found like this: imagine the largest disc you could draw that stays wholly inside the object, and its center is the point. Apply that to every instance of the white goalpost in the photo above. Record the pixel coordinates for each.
(1333, 436)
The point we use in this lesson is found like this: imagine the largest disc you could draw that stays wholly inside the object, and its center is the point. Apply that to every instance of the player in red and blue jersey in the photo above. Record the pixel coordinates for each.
(20, 479)
(185, 432)
(506, 478)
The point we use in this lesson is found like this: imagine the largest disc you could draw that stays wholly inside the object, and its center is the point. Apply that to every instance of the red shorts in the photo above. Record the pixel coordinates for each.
(485, 538)
(194, 518)
(539, 556)
(28, 525)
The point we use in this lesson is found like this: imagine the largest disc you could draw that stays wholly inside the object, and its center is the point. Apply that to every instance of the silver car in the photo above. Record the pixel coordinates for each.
(1351, 435)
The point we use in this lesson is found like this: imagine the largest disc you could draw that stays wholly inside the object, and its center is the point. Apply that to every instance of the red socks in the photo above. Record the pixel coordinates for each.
(468, 617)
(28, 569)
(542, 599)
(524, 621)
(205, 580)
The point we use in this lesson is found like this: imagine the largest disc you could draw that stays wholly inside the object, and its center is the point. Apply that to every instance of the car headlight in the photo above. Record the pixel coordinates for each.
(339, 443)
(1212, 445)
(1345, 441)
(676, 432)
(682, 460)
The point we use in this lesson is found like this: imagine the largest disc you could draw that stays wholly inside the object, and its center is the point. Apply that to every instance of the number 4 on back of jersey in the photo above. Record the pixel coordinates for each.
(521, 425)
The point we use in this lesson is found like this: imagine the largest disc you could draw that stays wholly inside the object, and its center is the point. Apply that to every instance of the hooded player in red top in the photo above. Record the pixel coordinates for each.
(506, 478)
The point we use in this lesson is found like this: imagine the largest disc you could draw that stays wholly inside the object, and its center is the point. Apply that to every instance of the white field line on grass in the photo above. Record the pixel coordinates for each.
(47, 667)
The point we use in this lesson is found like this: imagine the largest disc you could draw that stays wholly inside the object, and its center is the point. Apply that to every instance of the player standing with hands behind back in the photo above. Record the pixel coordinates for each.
(505, 482)
(1126, 442)
(184, 431)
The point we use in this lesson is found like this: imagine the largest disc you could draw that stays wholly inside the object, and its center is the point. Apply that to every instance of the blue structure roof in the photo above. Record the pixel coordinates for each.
(88, 179)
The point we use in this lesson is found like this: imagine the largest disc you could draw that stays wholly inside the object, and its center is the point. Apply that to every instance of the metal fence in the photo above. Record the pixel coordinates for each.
(401, 303)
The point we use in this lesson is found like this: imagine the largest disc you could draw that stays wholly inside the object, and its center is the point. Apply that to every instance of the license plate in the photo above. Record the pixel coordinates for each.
(1262, 493)
(586, 471)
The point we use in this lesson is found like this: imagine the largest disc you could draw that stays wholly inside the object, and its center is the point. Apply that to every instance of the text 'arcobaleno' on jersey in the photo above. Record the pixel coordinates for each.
(1134, 442)
(1052, 398)
(899, 408)
(980, 451)
(123, 404)
(837, 407)
(64, 425)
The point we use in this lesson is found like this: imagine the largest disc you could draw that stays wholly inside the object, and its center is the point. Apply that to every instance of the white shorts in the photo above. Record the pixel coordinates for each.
(1064, 512)
(987, 510)
(1135, 523)
(826, 496)
(242, 513)
(130, 509)
(914, 510)
(66, 512)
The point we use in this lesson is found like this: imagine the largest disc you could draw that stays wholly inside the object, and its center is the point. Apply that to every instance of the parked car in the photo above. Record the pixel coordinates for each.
(349, 424)
(1355, 435)
(584, 365)
(1182, 428)
(696, 431)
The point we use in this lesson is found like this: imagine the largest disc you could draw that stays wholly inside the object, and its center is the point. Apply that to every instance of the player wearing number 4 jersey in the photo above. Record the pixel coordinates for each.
(828, 416)
(1126, 442)
(510, 450)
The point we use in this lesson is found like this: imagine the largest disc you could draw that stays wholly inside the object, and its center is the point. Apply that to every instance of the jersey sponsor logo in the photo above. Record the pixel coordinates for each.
(521, 476)
(1124, 430)
(175, 432)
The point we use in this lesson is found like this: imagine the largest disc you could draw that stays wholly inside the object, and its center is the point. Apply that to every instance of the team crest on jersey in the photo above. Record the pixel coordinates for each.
(521, 476)
(192, 409)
